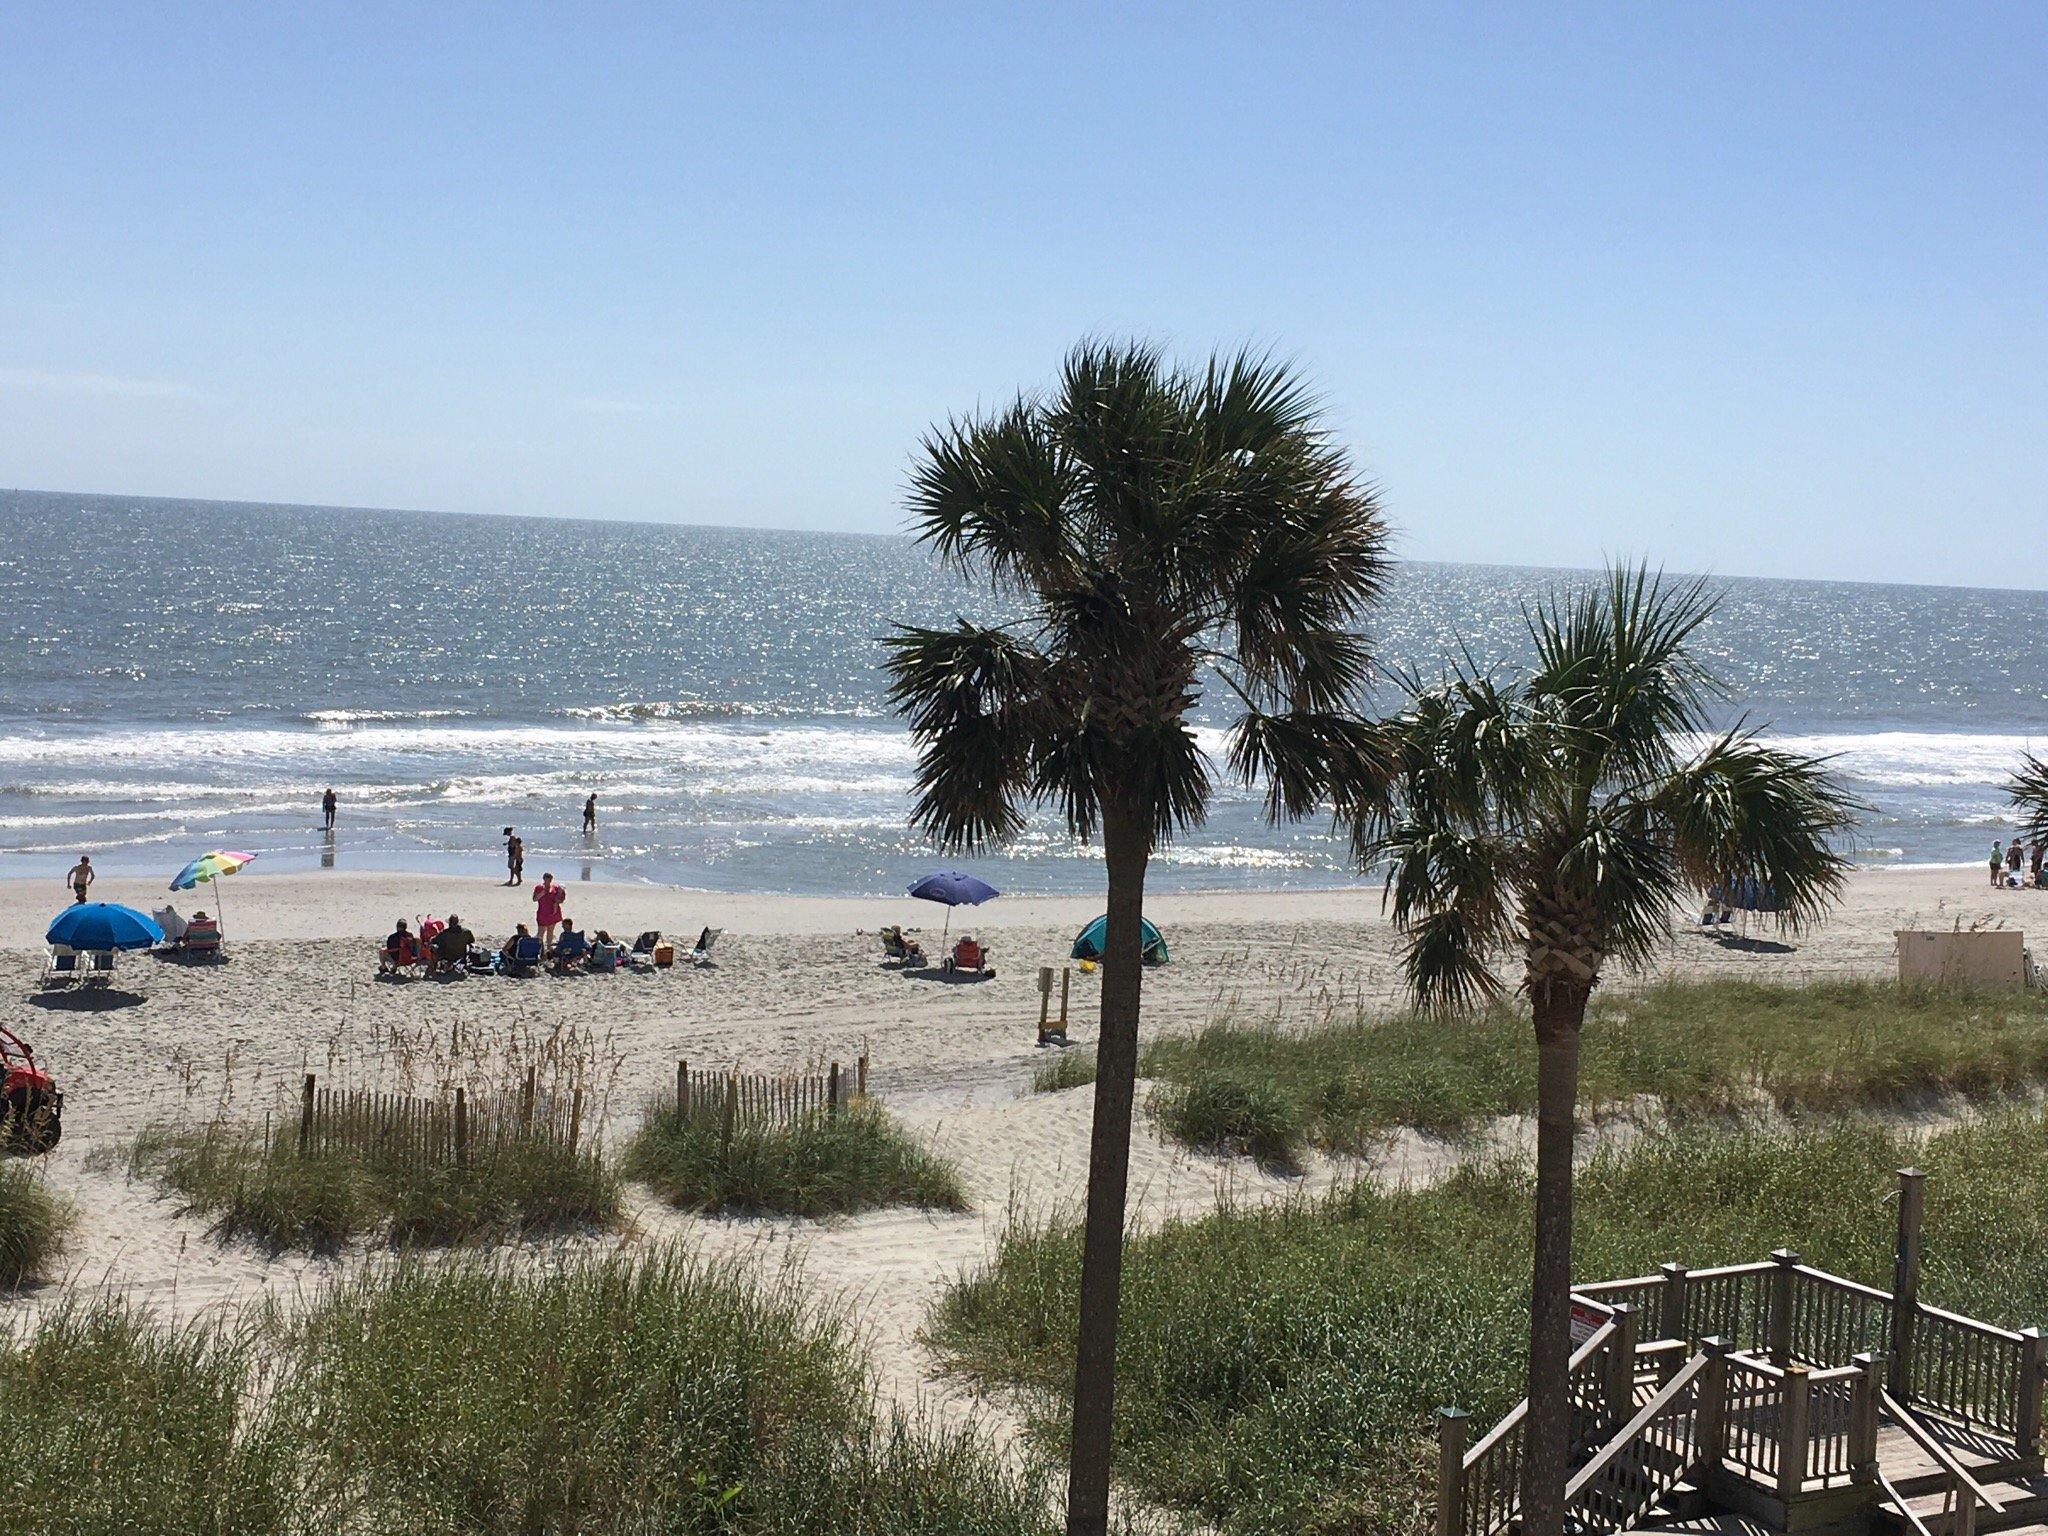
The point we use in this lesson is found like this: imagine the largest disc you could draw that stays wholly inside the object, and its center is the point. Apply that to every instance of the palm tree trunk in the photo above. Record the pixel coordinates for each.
(1127, 844)
(1560, 1012)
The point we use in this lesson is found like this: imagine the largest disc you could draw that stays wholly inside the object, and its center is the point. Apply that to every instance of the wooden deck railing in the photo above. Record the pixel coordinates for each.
(1479, 1490)
(1646, 1459)
(1797, 1362)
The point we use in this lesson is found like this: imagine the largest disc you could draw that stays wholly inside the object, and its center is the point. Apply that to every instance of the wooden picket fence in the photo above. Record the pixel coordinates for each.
(459, 1128)
(759, 1098)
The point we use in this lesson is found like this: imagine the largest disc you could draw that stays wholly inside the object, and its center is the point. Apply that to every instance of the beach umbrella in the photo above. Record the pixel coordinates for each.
(1088, 943)
(103, 925)
(953, 889)
(210, 867)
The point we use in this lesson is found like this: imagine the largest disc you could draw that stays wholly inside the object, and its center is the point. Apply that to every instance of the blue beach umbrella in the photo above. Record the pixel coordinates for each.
(104, 925)
(953, 889)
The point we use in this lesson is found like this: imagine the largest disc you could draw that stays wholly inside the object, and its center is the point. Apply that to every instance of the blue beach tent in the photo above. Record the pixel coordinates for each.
(1088, 942)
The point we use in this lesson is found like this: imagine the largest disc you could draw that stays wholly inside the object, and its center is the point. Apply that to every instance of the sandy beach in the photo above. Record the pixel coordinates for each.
(797, 981)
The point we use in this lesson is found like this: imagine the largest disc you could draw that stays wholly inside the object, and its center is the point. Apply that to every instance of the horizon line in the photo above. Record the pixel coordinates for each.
(856, 533)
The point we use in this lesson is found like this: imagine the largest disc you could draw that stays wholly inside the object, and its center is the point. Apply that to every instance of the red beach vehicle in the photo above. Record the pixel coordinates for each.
(31, 1108)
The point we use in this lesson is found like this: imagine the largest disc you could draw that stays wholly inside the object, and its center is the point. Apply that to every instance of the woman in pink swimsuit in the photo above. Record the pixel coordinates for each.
(547, 904)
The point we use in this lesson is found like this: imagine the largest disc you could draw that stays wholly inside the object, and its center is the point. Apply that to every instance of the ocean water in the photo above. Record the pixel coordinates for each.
(182, 675)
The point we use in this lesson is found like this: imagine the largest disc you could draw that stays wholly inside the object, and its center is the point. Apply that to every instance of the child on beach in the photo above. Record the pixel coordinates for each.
(547, 909)
(81, 877)
(1997, 861)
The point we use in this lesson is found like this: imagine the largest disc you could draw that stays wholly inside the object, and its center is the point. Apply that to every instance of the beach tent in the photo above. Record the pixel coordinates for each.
(1088, 942)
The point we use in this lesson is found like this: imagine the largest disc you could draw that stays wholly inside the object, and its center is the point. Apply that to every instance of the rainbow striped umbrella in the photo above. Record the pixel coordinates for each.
(209, 867)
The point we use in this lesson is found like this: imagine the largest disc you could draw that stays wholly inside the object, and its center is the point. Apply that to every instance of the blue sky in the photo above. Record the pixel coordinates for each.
(1750, 289)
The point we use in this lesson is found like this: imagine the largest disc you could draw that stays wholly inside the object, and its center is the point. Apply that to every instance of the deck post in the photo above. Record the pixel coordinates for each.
(1621, 1367)
(1794, 1431)
(1863, 1416)
(1966, 1510)
(1906, 1281)
(1778, 1323)
(1671, 1304)
(1713, 1419)
(2027, 1436)
(1451, 1426)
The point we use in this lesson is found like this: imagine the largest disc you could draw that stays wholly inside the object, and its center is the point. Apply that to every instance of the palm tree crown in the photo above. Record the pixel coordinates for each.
(1561, 815)
(1157, 522)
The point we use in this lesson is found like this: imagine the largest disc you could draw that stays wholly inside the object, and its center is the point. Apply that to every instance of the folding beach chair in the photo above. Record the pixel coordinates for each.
(64, 966)
(701, 955)
(99, 968)
(202, 937)
(525, 958)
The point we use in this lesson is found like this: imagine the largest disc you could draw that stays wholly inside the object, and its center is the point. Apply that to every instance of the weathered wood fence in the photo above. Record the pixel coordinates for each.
(759, 1098)
(455, 1128)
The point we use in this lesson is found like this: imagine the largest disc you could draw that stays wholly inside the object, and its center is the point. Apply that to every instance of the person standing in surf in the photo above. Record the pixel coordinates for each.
(515, 857)
(590, 815)
(327, 805)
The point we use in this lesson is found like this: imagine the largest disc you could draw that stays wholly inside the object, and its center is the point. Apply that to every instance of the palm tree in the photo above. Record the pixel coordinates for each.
(1161, 529)
(2027, 789)
(1556, 820)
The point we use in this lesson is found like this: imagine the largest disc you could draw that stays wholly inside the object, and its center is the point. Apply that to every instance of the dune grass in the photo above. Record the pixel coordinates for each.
(628, 1395)
(1278, 1370)
(1064, 1069)
(115, 1424)
(258, 1185)
(1697, 1047)
(33, 1223)
(818, 1165)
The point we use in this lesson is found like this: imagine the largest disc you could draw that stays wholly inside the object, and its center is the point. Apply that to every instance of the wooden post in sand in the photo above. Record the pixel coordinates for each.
(575, 1117)
(1906, 1281)
(306, 1115)
(732, 1109)
(1451, 1428)
(832, 1092)
(682, 1090)
(461, 1128)
(1066, 981)
(1044, 1000)
(526, 1093)
(860, 1075)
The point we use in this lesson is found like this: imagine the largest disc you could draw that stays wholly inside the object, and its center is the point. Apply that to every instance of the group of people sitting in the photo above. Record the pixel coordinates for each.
(968, 953)
(450, 949)
(2020, 868)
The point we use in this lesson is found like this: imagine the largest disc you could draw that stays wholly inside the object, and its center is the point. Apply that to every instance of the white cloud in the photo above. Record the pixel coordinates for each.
(42, 382)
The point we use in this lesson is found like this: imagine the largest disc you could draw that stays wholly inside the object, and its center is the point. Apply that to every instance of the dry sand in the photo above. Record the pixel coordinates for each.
(798, 981)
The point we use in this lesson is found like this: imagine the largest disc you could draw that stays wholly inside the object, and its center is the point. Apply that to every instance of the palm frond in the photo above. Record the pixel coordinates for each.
(1745, 810)
(2027, 789)
(976, 699)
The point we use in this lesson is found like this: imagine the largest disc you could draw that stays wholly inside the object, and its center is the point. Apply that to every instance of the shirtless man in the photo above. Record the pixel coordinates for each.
(81, 877)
